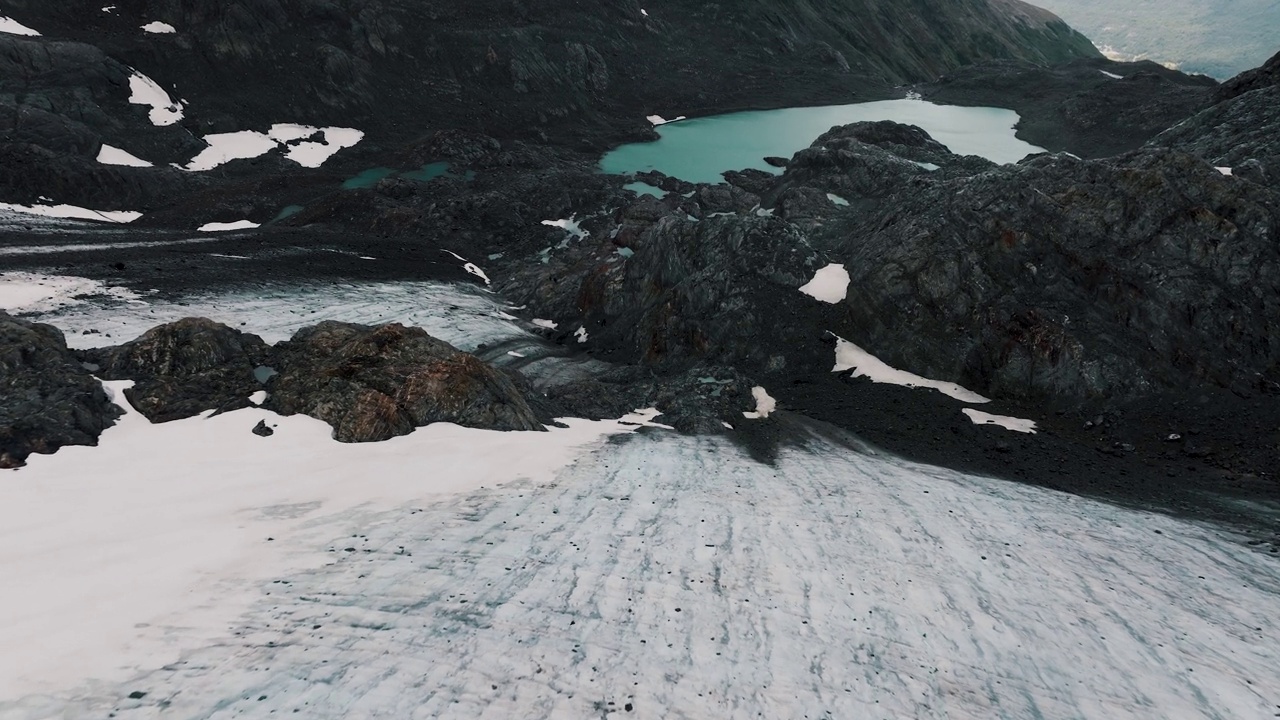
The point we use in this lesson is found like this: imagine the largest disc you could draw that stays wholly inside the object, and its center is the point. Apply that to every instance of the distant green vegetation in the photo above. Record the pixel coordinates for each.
(1214, 37)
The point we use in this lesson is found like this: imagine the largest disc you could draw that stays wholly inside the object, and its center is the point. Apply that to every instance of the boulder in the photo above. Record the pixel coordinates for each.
(185, 368)
(375, 383)
(47, 398)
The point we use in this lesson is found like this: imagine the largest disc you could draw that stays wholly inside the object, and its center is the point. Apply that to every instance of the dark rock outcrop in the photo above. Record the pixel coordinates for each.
(49, 398)
(1068, 279)
(1241, 133)
(1081, 106)
(185, 368)
(375, 383)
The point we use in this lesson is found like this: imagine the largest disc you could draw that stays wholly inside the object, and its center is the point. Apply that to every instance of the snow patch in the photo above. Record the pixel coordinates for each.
(73, 212)
(258, 397)
(764, 404)
(829, 285)
(24, 292)
(225, 226)
(1224, 170)
(548, 324)
(471, 267)
(109, 155)
(1009, 423)
(837, 200)
(581, 334)
(570, 225)
(1112, 75)
(864, 364)
(13, 27)
(145, 91)
(657, 120)
(159, 28)
(244, 144)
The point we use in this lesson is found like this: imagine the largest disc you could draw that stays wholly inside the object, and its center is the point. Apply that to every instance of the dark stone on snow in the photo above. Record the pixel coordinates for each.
(374, 383)
(185, 368)
(262, 429)
(47, 398)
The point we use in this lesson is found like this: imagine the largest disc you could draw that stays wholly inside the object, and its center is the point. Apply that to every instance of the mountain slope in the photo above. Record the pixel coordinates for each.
(531, 68)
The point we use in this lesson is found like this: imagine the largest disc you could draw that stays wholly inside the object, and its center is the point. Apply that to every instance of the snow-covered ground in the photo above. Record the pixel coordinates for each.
(458, 573)
(665, 575)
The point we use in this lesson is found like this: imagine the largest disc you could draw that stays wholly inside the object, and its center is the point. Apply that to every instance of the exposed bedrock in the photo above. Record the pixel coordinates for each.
(49, 399)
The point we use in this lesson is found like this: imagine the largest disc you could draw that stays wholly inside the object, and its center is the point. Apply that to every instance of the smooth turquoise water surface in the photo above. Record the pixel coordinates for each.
(699, 150)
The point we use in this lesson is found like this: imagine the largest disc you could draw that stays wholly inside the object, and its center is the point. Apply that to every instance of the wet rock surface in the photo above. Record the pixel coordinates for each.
(50, 399)
(375, 383)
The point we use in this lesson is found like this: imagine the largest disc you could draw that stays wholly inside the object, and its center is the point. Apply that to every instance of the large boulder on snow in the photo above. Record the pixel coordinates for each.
(375, 383)
(184, 368)
(47, 398)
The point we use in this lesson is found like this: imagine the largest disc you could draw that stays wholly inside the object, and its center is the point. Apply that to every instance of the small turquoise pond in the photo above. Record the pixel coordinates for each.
(699, 150)
(430, 171)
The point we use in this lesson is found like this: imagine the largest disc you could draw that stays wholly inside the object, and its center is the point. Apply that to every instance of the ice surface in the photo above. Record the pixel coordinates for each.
(109, 155)
(670, 574)
(864, 364)
(23, 292)
(1009, 423)
(13, 27)
(225, 226)
(73, 212)
(125, 550)
(145, 91)
(829, 285)
(159, 28)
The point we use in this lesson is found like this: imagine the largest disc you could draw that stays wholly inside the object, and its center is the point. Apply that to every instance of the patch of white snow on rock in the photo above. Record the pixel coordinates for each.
(73, 212)
(1009, 423)
(864, 364)
(829, 285)
(109, 155)
(159, 28)
(765, 404)
(227, 226)
(24, 292)
(246, 144)
(13, 27)
(145, 91)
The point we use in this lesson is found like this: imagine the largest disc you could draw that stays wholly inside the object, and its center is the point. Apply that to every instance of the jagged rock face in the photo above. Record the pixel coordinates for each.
(1241, 133)
(185, 368)
(1268, 75)
(50, 399)
(1072, 279)
(698, 401)
(669, 291)
(375, 383)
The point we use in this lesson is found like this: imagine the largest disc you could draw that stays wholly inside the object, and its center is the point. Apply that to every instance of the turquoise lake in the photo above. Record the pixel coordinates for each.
(699, 150)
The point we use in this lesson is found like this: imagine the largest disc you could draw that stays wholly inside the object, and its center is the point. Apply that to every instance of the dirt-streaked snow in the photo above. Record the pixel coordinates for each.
(668, 574)
(73, 212)
(1009, 423)
(159, 536)
(24, 292)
